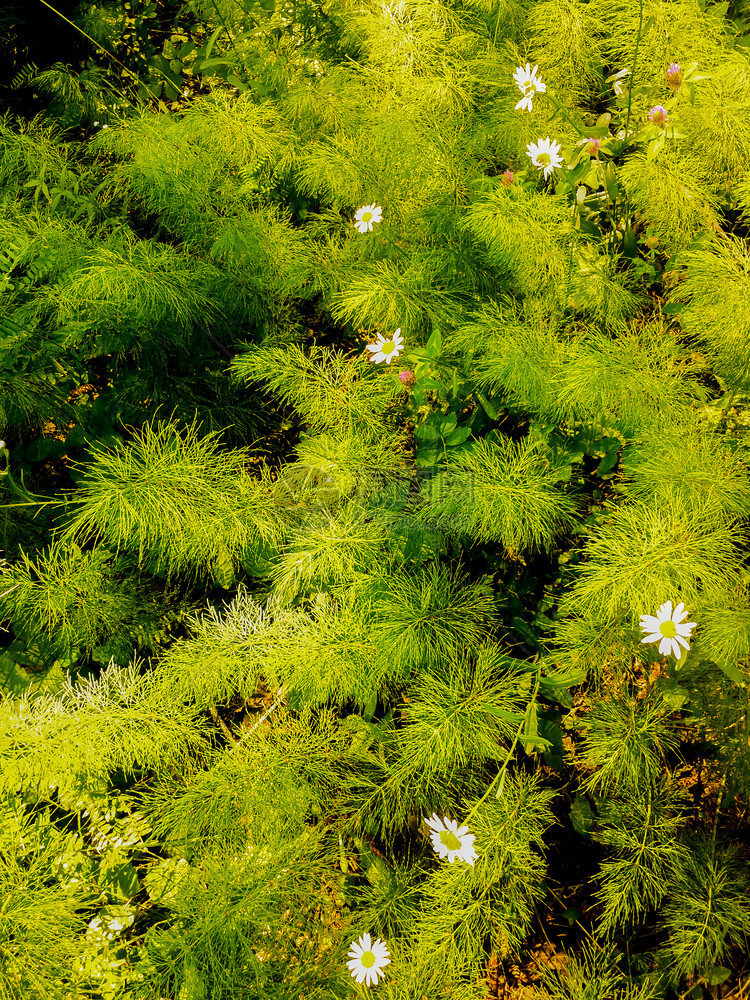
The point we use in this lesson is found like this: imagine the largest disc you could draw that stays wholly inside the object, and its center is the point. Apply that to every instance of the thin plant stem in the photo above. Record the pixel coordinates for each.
(221, 18)
(504, 768)
(632, 72)
(718, 810)
(279, 700)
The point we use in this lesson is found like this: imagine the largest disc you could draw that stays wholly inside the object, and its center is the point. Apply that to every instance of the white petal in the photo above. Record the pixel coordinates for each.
(685, 629)
(439, 846)
(678, 638)
(654, 637)
(665, 646)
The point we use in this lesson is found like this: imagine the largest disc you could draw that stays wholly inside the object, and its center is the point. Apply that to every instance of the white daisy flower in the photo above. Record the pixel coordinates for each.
(668, 629)
(545, 155)
(368, 959)
(365, 216)
(387, 350)
(529, 84)
(450, 840)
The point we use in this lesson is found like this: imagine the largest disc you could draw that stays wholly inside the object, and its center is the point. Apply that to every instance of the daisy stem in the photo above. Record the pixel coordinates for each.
(396, 246)
(718, 810)
(504, 768)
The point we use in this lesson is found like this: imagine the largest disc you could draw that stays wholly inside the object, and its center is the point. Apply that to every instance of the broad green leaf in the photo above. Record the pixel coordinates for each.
(434, 345)
(582, 815)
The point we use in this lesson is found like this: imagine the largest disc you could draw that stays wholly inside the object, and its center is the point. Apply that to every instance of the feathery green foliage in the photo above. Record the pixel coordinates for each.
(125, 495)
(251, 647)
(715, 292)
(626, 743)
(501, 491)
(708, 910)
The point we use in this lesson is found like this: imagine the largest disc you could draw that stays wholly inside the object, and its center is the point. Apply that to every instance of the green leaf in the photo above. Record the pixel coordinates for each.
(610, 180)
(607, 463)
(426, 432)
(210, 63)
(732, 672)
(236, 82)
(13, 678)
(429, 456)
(515, 717)
(717, 974)
(212, 40)
(120, 880)
(457, 436)
(672, 692)
(535, 742)
(488, 408)
(563, 678)
(530, 738)
(654, 148)
(629, 243)
(434, 345)
(224, 567)
(582, 815)
(372, 704)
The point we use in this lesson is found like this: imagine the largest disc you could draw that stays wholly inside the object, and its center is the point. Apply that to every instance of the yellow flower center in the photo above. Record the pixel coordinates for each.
(367, 959)
(450, 840)
(366, 216)
(387, 346)
(543, 158)
(668, 629)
